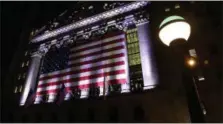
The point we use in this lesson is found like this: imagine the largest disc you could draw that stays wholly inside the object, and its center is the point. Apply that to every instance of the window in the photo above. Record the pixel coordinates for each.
(133, 47)
(167, 9)
(24, 75)
(20, 89)
(27, 63)
(90, 7)
(23, 64)
(19, 77)
(177, 6)
(16, 89)
(26, 53)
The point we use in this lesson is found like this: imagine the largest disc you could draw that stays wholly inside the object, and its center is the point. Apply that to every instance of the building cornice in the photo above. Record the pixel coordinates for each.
(90, 20)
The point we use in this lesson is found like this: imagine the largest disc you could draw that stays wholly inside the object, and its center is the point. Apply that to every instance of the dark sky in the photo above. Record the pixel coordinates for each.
(19, 16)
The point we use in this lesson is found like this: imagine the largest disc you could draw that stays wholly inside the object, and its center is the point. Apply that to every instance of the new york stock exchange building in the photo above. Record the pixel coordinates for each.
(101, 67)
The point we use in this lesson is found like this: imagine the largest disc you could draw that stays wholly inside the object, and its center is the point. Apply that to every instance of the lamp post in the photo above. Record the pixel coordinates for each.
(174, 32)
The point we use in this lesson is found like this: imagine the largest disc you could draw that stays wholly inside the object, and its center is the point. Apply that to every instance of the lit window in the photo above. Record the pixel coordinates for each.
(20, 89)
(24, 75)
(177, 6)
(16, 89)
(27, 63)
(167, 9)
(19, 77)
(26, 53)
(206, 62)
(90, 7)
(22, 65)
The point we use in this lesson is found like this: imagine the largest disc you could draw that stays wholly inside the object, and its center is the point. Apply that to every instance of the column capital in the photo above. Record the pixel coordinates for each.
(37, 54)
(129, 20)
(42, 50)
(142, 21)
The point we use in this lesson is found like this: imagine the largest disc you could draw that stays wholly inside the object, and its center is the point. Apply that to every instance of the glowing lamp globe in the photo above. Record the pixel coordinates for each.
(173, 28)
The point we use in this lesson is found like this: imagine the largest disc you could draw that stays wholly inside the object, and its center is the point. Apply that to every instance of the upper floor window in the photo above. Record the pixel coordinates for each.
(27, 63)
(22, 64)
(19, 77)
(20, 89)
(24, 75)
(167, 9)
(177, 6)
(90, 7)
(26, 53)
(16, 89)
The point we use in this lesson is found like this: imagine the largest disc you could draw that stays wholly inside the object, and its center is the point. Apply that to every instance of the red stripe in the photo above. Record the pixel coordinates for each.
(98, 60)
(98, 45)
(98, 52)
(48, 92)
(82, 78)
(115, 81)
(97, 84)
(83, 70)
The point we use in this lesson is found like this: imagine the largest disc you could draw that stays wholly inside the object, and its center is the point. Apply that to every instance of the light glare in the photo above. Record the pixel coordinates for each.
(191, 62)
(173, 31)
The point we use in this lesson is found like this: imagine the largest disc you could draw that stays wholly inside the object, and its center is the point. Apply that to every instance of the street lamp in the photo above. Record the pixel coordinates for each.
(174, 31)
(172, 28)
(191, 62)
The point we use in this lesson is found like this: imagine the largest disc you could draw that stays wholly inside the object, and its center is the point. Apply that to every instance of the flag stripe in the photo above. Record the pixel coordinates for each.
(84, 78)
(99, 59)
(85, 65)
(97, 46)
(107, 46)
(99, 84)
(115, 62)
(90, 81)
(92, 58)
(80, 74)
(97, 52)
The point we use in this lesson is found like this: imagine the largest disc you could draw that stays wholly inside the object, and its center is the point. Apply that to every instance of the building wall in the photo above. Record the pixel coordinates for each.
(157, 105)
(166, 103)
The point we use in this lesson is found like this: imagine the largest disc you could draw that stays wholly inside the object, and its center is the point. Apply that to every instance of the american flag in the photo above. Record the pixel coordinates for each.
(100, 62)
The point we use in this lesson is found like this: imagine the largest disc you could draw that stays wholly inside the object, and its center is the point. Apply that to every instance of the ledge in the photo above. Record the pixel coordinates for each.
(90, 20)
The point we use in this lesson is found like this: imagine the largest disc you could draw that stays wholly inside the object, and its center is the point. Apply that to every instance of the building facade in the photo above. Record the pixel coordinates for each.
(106, 103)
(148, 94)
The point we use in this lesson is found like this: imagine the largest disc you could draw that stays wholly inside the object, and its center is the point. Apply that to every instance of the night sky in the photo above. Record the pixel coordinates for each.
(19, 16)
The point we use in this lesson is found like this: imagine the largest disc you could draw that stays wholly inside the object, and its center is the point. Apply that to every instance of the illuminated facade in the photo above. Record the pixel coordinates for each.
(139, 100)
(140, 71)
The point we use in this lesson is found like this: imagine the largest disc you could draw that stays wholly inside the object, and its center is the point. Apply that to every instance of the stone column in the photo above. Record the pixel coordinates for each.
(31, 78)
(147, 57)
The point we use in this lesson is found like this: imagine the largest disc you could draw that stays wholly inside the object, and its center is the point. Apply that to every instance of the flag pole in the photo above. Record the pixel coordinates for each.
(104, 88)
